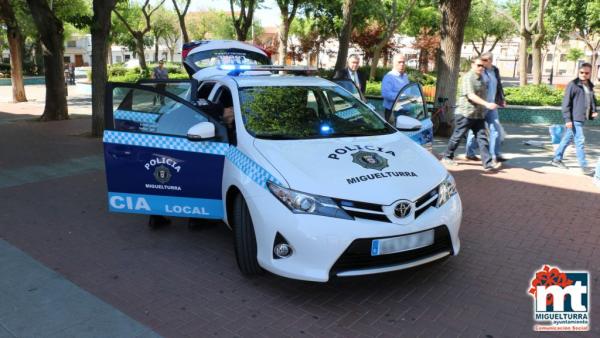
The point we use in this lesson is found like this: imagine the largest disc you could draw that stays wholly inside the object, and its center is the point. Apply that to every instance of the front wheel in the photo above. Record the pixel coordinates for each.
(244, 238)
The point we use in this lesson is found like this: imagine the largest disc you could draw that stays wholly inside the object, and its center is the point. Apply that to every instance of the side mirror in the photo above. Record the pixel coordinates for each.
(201, 131)
(407, 123)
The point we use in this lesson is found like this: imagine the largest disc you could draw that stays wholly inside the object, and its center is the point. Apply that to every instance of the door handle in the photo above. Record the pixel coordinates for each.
(120, 153)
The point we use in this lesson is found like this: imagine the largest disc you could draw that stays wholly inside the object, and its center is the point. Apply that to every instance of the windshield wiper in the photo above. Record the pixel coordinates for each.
(278, 137)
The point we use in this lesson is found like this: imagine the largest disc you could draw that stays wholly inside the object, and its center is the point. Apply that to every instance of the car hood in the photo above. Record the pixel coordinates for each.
(374, 169)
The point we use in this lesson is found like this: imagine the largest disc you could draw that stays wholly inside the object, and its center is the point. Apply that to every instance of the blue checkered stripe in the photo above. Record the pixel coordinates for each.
(164, 142)
(135, 116)
(250, 168)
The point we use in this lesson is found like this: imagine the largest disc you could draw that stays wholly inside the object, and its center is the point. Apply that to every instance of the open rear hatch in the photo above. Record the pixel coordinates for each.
(201, 54)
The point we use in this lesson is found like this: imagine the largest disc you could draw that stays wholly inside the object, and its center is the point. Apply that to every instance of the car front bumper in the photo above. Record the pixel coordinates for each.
(323, 247)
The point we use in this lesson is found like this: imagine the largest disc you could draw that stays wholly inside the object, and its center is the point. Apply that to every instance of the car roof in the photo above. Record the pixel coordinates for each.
(280, 80)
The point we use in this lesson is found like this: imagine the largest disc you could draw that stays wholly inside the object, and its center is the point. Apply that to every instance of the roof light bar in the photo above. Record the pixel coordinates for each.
(235, 70)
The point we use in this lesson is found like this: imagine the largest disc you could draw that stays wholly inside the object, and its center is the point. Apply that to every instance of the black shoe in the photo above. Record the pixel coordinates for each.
(493, 167)
(558, 164)
(501, 159)
(472, 158)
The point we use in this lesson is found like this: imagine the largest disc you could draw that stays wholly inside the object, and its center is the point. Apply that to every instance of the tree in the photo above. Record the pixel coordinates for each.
(288, 10)
(454, 18)
(579, 19)
(210, 25)
(486, 25)
(138, 31)
(344, 37)
(51, 31)
(534, 32)
(100, 29)
(164, 23)
(15, 45)
(390, 14)
(424, 25)
(243, 22)
(181, 17)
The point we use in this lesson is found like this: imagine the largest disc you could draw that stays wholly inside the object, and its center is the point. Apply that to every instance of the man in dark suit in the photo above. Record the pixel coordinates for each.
(351, 73)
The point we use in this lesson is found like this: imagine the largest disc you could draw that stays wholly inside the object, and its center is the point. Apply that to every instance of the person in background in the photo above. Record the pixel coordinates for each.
(495, 93)
(72, 73)
(160, 73)
(351, 72)
(470, 114)
(392, 82)
(578, 106)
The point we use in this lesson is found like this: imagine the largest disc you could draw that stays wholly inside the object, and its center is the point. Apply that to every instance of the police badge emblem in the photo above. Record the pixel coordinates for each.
(162, 174)
(370, 160)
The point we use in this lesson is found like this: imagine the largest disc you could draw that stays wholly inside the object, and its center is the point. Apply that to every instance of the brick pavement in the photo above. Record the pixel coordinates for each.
(185, 283)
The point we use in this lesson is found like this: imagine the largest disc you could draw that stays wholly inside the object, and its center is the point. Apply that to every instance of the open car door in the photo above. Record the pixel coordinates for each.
(411, 102)
(154, 164)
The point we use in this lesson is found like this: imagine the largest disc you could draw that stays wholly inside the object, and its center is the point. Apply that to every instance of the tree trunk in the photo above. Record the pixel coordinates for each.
(156, 49)
(100, 30)
(283, 39)
(139, 45)
(184, 33)
(51, 34)
(375, 62)
(423, 61)
(536, 58)
(523, 58)
(15, 46)
(454, 19)
(344, 40)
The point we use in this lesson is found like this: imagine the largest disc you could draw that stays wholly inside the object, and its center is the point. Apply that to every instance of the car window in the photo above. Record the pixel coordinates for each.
(204, 90)
(294, 112)
(147, 111)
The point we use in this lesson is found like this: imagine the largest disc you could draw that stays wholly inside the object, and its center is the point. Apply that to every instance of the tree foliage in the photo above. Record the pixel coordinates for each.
(486, 26)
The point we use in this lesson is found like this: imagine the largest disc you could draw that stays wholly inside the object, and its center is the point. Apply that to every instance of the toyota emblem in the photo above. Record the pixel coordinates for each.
(402, 209)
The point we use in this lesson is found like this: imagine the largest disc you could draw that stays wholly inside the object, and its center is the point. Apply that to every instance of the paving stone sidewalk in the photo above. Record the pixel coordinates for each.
(182, 283)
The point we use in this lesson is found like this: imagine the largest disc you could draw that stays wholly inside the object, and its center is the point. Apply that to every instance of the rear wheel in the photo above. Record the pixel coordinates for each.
(244, 238)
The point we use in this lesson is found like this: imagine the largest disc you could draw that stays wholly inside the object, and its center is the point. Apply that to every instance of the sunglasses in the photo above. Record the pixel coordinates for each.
(584, 73)
(480, 65)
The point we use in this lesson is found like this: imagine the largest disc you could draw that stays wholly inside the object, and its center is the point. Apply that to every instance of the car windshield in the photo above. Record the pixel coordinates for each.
(299, 112)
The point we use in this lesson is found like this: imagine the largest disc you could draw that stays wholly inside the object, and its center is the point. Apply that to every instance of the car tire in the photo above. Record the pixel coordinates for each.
(156, 222)
(244, 238)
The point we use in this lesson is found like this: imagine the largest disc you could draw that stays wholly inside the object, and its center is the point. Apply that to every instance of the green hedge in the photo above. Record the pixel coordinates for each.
(534, 95)
(118, 73)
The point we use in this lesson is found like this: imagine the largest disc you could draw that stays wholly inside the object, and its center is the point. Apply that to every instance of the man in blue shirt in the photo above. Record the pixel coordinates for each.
(392, 82)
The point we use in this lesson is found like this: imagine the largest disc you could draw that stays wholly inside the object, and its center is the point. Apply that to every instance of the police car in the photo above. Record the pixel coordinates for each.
(313, 183)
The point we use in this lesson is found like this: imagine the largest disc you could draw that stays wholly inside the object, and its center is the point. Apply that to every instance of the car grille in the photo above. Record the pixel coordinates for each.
(375, 211)
(358, 255)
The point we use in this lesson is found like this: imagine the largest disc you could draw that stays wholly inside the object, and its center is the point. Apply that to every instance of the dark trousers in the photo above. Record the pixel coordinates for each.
(461, 128)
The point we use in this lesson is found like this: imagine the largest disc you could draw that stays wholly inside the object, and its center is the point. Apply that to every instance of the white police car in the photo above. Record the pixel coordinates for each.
(312, 182)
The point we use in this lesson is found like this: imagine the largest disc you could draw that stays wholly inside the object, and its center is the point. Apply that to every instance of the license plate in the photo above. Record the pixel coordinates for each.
(402, 243)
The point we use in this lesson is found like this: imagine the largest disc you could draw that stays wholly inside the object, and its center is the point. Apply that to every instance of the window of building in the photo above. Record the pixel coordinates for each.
(503, 51)
(67, 59)
(549, 57)
(119, 58)
(563, 57)
(127, 57)
(72, 43)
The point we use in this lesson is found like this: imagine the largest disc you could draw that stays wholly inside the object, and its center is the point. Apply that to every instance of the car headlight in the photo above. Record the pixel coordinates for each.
(303, 203)
(446, 190)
